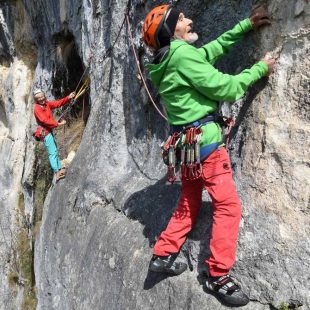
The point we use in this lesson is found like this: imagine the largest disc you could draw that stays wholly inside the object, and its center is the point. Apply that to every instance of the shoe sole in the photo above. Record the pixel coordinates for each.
(60, 178)
(229, 300)
(163, 270)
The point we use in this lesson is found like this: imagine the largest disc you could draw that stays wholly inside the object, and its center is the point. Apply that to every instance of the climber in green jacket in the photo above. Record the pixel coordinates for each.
(191, 88)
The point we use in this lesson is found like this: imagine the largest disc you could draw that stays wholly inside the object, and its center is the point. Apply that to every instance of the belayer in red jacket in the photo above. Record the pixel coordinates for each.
(44, 132)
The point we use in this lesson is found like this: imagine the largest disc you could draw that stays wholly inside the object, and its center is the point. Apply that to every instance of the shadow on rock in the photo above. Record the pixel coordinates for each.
(153, 207)
(153, 278)
(202, 233)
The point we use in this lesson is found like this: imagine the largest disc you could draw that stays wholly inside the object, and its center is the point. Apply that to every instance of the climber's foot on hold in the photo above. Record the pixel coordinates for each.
(60, 174)
(227, 291)
(166, 264)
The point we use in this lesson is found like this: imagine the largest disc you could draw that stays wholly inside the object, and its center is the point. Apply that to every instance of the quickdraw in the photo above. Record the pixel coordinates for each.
(181, 151)
(190, 154)
(229, 123)
(169, 154)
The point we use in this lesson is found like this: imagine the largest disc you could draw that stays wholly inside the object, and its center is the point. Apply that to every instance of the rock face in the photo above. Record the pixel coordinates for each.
(17, 63)
(99, 224)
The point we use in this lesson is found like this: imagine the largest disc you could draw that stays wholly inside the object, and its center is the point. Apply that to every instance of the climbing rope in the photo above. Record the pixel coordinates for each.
(83, 88)
(83, 108)
(81, 79)
(79, 93)
(139, 68)
(64, 141)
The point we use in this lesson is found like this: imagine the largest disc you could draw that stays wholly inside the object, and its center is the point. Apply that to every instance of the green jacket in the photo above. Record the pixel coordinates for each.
(190, 85)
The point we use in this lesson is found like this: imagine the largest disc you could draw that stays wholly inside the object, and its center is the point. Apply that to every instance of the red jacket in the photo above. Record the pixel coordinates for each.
(44, 116)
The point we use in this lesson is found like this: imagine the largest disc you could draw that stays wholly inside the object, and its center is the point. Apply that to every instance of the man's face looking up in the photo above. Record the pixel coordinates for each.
(183, 30)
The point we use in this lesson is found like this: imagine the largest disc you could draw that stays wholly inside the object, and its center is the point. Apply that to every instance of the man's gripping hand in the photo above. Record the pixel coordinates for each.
(72, 95)
(259, 17)
(269, 61)
(62, 122)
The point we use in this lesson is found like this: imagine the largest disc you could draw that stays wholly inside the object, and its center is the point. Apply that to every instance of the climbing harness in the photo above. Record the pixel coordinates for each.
(40, 133)
(169, 154)
(182, 150)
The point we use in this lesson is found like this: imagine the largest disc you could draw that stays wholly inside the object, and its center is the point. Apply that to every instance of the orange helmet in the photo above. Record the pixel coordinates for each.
(155, 21)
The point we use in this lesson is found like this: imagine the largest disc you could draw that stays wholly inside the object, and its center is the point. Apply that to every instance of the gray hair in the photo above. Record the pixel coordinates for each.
(37, 91)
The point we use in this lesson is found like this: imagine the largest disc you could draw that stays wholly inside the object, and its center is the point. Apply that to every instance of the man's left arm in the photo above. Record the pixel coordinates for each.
(214, 50)
(59, 103)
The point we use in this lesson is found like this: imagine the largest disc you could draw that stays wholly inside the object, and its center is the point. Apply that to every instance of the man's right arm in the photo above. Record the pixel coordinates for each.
(59, 103)
(214, 50)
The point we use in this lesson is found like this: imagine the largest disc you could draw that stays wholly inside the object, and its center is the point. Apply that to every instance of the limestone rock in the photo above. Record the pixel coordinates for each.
(99, 224)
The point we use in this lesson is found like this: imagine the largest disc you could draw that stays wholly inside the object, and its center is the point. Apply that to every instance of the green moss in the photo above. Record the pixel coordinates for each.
(43, 181)
(24, 247)
(21, 203)
(27, 270)
(22, 272)
(13, 278)
(30, 300)
(22, 267)
(283, 306)
(25, 256)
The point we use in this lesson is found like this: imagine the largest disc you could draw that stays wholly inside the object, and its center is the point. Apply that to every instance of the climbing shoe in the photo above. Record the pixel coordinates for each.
(61, 174)
(227, 291)
(166, 264)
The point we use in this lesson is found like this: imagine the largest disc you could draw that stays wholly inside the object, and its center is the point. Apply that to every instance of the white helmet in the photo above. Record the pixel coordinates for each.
(37, 91)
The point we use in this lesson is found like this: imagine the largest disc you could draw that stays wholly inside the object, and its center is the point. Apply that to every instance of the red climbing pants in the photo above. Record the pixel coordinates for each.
(217, 180)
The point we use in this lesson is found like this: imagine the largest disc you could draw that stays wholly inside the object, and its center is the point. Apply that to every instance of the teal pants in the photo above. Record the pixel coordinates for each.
(51, 147)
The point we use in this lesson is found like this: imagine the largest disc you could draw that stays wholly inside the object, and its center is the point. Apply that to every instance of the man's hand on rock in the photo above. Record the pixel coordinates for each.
(270, 61)
(259, 17)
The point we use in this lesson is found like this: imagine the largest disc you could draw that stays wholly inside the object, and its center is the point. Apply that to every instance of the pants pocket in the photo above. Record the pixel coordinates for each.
(217, 164)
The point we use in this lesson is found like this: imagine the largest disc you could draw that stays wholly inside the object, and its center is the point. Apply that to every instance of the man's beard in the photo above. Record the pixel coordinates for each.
(193, 37)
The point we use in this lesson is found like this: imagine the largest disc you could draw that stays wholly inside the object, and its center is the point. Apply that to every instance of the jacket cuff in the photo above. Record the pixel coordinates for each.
(263, 66)
(246, 25)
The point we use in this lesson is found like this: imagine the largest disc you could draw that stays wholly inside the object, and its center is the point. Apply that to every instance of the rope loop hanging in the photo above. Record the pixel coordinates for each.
(139, 69)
